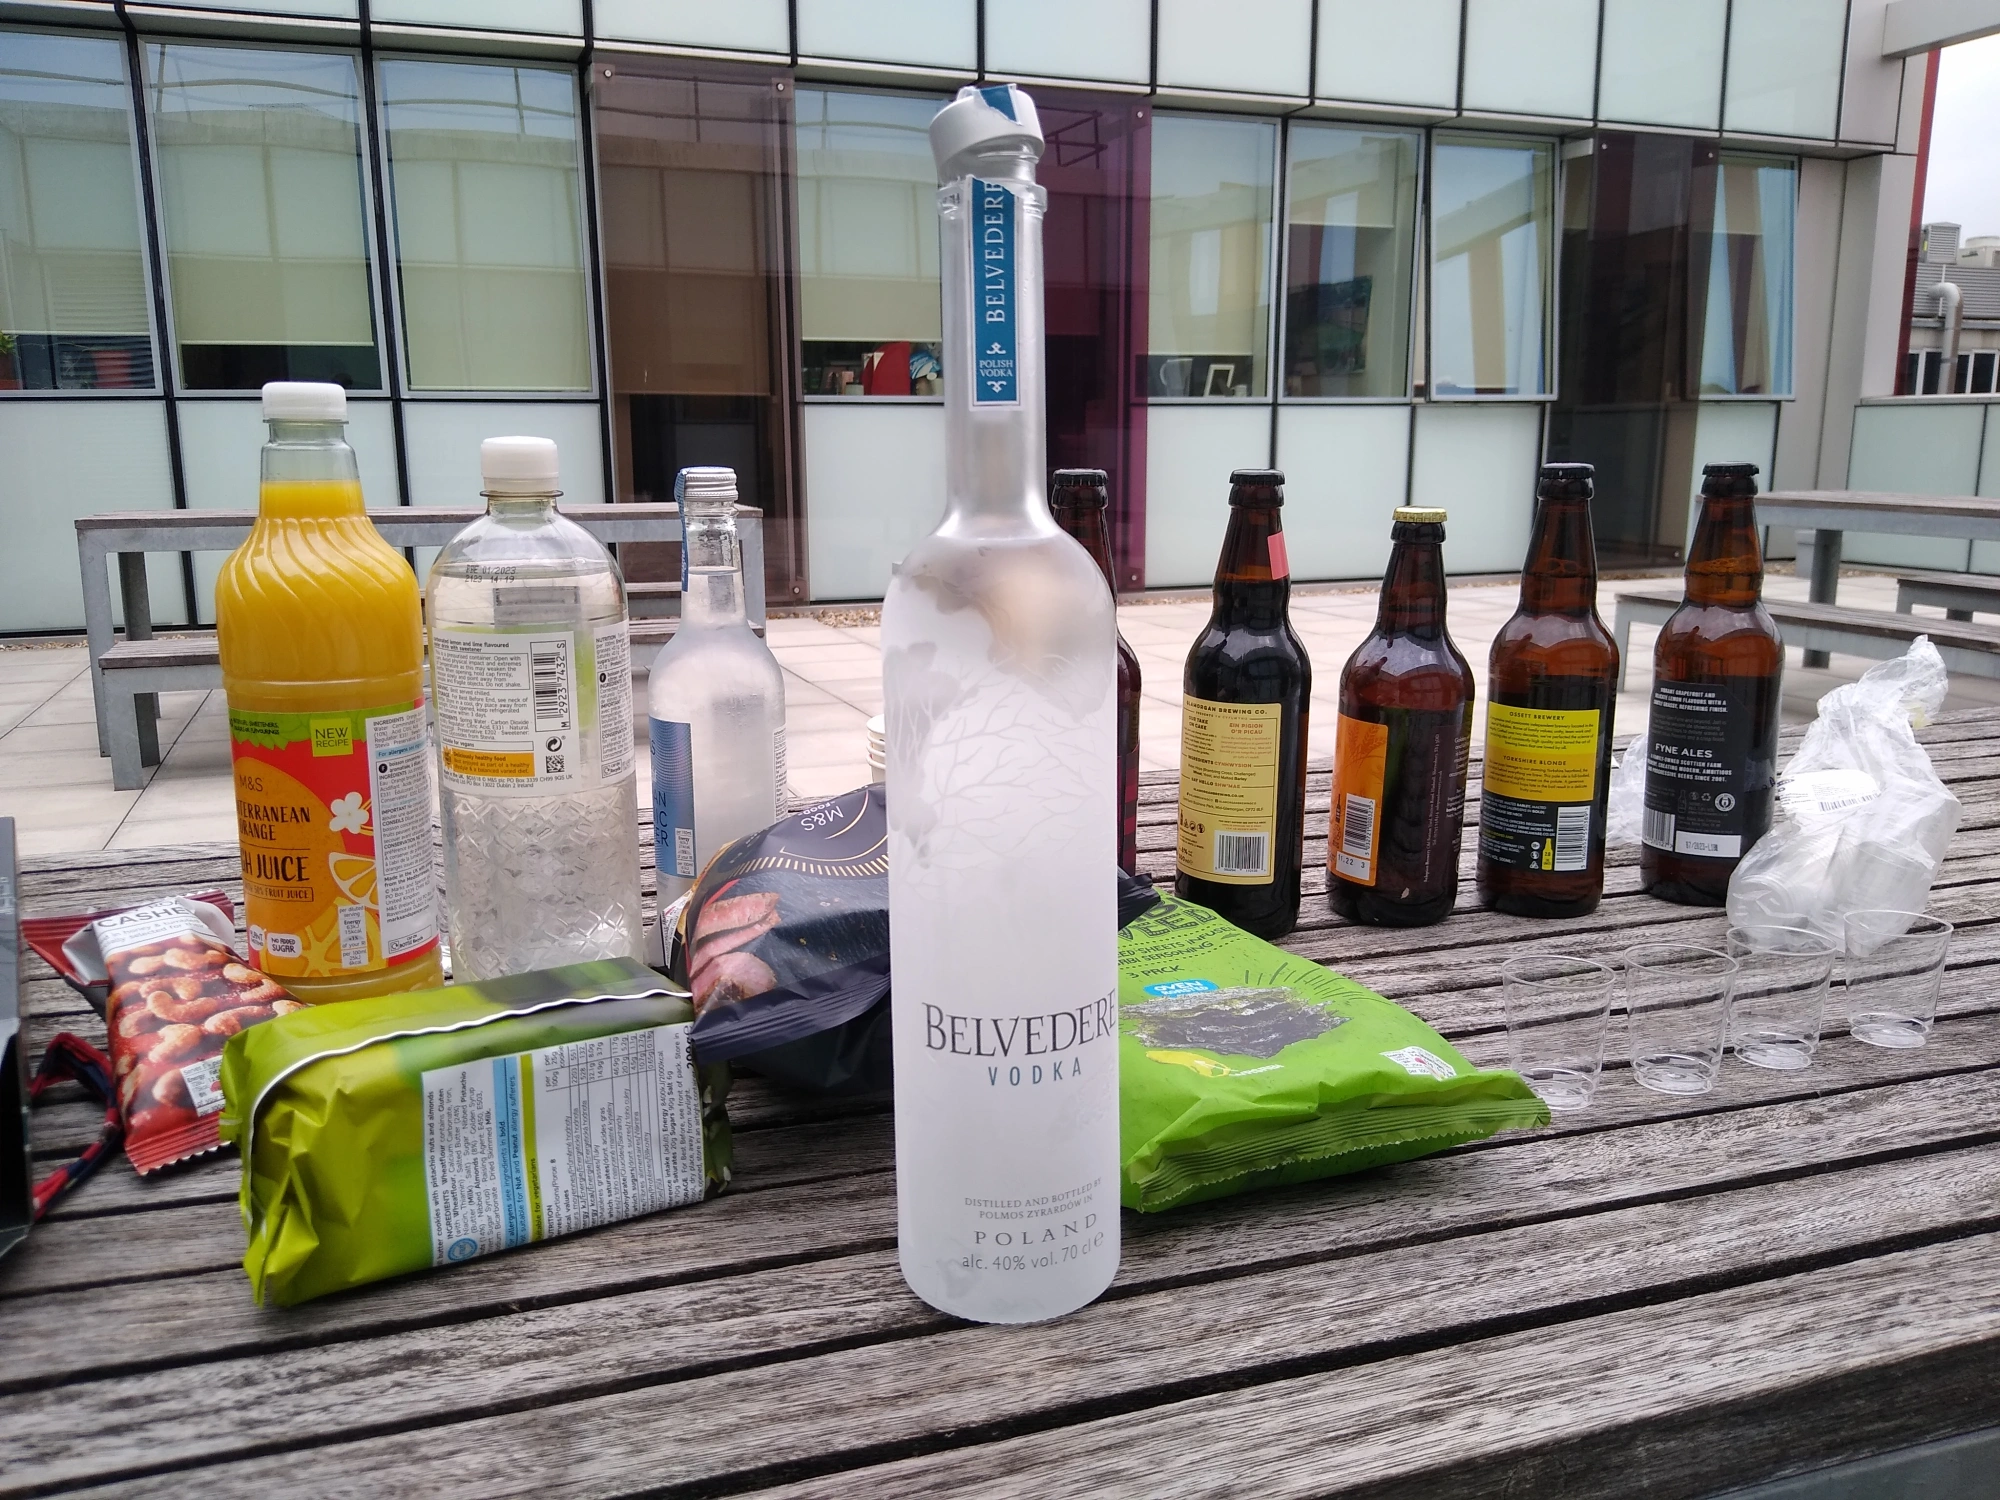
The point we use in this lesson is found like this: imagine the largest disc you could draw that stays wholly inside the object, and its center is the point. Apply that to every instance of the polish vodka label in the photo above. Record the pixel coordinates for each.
(993, 300)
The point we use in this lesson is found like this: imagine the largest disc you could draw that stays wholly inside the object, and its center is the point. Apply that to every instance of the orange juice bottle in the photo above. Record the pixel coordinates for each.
(322, 644)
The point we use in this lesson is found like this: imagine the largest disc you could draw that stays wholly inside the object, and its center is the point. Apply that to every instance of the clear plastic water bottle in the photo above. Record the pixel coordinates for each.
(531, 674)
(1000, 667)
(716, 701)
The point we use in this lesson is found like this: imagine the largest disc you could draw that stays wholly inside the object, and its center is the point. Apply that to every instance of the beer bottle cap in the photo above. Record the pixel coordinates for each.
(1257, 479)
(1420, 514)
(1081, 479)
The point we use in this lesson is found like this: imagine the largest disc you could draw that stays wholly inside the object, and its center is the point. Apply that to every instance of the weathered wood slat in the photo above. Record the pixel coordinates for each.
(1675, 1401)
(820, 1411)
(1533, 1178)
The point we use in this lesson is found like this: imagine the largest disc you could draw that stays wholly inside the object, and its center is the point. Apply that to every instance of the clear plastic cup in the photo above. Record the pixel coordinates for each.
(1677, 1013)
(1894, 967)
(1779, 1001)
(1558, 1010)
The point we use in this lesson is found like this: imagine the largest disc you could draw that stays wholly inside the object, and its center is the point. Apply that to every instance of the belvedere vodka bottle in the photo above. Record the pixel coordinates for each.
(999, 679)
(715, 699)
(531, 673)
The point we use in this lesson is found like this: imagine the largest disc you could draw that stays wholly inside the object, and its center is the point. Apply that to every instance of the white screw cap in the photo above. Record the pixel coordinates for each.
(705, 483)
(304, 401)
(980, 119)
(518, 466)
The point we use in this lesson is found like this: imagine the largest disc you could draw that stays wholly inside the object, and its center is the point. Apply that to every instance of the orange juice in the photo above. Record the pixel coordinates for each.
(321, 635)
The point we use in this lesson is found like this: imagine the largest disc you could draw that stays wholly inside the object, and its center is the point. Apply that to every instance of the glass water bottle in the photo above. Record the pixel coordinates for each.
(531, 673)
(715, 701)
(1000, 666)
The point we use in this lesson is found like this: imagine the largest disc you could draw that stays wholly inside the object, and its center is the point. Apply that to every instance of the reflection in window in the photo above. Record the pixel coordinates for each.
(487, 201)
(1491, 237)
(259, 157)
(869, 309)
(1209, 305)
(1746, 347)
(1350, 246)
(72, 277)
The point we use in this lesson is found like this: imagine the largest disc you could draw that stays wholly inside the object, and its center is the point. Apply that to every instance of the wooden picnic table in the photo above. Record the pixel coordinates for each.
(1831, 514)
(1665, 1296)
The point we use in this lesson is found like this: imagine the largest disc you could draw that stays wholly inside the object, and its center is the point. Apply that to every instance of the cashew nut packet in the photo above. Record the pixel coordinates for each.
(176, 992)
(392, 1134)
(1242, 1066)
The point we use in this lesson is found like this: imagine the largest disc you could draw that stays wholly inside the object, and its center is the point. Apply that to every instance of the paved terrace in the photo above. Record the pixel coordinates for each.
(53, 783)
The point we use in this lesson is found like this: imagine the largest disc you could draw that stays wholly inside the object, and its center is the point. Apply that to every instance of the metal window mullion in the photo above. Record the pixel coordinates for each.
(389, 305)
(589, 208)
(163, 350)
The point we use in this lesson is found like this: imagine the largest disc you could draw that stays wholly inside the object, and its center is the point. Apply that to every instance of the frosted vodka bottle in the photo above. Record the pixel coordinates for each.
(531, 679)
(999, 680)
(716, 699)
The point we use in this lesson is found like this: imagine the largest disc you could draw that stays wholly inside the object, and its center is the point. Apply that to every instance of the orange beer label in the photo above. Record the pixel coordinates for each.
(333, 813)
(1360, 763)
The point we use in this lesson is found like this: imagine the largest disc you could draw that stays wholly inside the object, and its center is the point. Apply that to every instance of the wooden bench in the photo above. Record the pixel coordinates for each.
(1968, 648)
(127, 676)
(1959, 595)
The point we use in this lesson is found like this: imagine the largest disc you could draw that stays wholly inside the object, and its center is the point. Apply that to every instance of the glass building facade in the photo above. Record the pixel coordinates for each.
(708, 235)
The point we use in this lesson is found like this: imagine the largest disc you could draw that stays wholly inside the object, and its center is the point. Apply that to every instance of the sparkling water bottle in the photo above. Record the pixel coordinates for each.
(1000, 681)
(716, 700)
(531, 673)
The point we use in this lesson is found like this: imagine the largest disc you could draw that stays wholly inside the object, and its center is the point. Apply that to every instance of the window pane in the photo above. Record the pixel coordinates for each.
(1491, 234)
(1746, 347)
(259, 157)
(869, 313)
(72, 276)
(487, 198)
(1209, 306)
(1350, 249)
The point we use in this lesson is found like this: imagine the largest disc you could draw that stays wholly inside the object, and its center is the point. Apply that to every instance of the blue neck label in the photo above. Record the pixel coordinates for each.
(993, 300)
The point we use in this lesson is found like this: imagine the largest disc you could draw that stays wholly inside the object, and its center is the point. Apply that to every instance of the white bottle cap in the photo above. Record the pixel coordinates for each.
(518, 466)
(705, 483)
(304, 401)
(980, 119)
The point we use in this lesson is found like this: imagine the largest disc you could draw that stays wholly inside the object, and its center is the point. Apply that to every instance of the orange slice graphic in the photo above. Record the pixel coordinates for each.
(354, 875)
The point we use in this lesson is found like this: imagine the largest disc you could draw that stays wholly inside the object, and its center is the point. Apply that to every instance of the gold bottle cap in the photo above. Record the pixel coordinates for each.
(1420, 514)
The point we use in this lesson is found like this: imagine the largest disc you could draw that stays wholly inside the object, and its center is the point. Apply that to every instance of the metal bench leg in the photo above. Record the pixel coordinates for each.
(1825, 579)
(145, 707)
(121, 721)
(1624, 645)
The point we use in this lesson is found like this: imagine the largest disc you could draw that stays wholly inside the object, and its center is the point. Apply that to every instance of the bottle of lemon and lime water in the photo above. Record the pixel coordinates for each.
(531, 666)
(322, 644)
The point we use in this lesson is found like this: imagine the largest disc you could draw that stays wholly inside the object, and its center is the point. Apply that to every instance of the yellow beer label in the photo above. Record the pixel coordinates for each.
(1229, 790)
(1541, 754)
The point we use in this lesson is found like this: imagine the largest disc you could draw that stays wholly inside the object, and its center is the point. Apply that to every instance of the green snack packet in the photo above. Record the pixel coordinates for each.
(387, 1135)
(1242, 1066)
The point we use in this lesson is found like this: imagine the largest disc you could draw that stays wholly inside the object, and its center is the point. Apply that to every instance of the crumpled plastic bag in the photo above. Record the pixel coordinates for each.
(1862, 820)
(1625, 804)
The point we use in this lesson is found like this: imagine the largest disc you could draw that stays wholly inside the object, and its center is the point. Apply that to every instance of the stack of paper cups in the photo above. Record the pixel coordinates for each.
(878, 748)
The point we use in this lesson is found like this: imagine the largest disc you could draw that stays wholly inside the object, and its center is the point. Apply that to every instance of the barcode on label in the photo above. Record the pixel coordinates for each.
(1357, 827)
(1658, 829)
(1572, 837)
(1242, 853)
(549, 663)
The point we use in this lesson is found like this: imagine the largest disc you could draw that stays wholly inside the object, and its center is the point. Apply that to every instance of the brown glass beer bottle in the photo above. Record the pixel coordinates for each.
(1078, 501)
(1399, 760)
(1551, 690)
(1712, 738)
(1241, 847)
